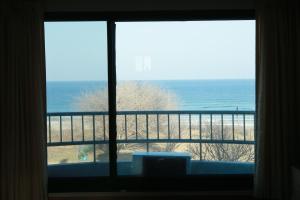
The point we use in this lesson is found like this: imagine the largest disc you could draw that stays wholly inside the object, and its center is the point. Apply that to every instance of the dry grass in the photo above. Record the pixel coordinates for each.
(70, 154)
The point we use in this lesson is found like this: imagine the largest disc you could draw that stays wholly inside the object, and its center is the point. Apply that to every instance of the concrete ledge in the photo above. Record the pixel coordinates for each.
(125, 168)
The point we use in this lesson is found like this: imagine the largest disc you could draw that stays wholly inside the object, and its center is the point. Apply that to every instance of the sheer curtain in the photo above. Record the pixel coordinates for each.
(278, 87)
(22, 101)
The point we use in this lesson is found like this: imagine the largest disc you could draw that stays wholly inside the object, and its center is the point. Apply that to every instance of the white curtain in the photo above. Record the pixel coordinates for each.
(22, 101)
(278, 87)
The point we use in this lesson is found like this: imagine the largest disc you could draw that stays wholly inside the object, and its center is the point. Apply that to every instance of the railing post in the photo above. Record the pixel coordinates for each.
(72, 131)
(136, 127)
(190, 126)
(200, 126)
(125, 119)
(233, 134)
(104, 128)
(200, 135)
(169, 126)
(60, 128)
(211, 128)
(222, 125)
(179, 129)
(157, 125)
(244, 125)
(49, 129)
(94, 138)
(255, 136)
(147, 132)
(82, 126)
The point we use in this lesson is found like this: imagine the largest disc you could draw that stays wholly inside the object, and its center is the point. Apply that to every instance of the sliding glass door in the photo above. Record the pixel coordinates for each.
(150, 99)
(185, 97)
(77, 98)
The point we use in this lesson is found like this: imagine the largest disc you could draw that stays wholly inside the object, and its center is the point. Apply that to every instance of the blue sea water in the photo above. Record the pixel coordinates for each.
(192, 94)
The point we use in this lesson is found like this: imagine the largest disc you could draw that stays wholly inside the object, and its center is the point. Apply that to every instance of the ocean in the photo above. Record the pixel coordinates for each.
(192, 94)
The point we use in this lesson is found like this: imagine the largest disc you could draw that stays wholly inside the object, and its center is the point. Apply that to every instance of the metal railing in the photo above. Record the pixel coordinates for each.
(146, 127)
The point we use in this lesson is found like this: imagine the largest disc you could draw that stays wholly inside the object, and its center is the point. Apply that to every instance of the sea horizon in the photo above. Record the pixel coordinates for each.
(193, 94)
(208, 79)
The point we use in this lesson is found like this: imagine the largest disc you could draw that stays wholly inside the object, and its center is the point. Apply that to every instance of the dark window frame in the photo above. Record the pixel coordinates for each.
(114, 182)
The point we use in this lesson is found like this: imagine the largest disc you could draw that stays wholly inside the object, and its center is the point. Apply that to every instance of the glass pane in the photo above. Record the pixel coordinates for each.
(185, 97)
(77, 98)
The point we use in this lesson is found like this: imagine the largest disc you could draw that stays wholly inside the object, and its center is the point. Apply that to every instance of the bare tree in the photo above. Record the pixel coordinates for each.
(132, 96)
(222, 151)
(140, 96)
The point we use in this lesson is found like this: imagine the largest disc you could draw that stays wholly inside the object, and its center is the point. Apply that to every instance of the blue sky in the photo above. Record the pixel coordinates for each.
(77, 51)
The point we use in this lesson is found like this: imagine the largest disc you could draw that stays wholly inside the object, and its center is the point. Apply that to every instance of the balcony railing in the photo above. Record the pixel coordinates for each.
(152, 127)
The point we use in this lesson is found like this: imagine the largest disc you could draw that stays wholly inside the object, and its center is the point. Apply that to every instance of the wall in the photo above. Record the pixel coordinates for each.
(145, 5)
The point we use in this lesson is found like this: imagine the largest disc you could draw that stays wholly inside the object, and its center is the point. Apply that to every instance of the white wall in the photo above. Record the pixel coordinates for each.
(145, 5)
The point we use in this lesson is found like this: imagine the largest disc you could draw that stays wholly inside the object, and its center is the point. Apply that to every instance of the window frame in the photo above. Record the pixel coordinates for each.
(113, 182)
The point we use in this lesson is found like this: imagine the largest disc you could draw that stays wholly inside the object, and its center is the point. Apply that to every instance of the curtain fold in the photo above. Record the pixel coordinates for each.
(278, 96)
(23, 101)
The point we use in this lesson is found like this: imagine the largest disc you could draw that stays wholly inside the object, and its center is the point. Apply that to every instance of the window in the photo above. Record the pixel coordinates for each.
(76, 59)
(184, 99)
(185, 95)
